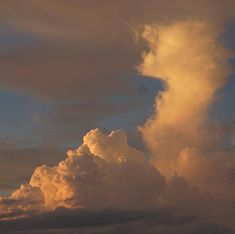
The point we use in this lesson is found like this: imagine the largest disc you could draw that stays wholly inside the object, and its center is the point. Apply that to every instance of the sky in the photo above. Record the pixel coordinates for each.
(119, 114)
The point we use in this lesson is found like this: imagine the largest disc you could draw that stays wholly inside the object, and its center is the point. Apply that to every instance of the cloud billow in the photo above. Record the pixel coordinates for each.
(107, 173)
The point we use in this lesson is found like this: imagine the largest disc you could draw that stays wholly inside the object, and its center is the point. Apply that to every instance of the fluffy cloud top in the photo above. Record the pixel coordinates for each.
(103, 172)
(106, 172)
(193, 65)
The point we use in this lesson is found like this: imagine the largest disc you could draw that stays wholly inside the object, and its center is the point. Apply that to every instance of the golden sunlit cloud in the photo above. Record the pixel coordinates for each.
(106, 172)
(193, 65)
(103, 172)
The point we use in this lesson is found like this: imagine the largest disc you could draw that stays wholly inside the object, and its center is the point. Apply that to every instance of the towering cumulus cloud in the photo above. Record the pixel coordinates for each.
(193, 65)
(104, 172)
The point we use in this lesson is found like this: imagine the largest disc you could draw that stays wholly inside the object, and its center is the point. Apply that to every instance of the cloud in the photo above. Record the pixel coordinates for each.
(66, 122)
(193, 65)
(58, 71)
(17, 165)
(79, 50)
(59, 19)
(112, 221)
(105, 172)
(96, 175)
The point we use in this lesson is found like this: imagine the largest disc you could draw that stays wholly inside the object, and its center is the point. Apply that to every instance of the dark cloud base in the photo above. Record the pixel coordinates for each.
(160, 221)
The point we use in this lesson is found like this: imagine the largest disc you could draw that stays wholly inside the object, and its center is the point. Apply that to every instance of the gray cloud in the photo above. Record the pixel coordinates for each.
(83, 50)
(17, 165)
(68, 122)
(160, 221)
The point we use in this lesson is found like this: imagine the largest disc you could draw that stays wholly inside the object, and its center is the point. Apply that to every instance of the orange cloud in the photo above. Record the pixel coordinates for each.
(193, 65)
(95, 175)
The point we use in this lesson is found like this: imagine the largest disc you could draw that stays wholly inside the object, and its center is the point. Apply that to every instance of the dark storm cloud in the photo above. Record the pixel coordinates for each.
(112, 221)
(90, 46)
(88, 49)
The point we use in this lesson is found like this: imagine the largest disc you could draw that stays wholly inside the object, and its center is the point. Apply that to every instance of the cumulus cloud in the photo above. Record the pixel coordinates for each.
(106, 172)
(17, 165)
(193, 65)
(95, 175)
